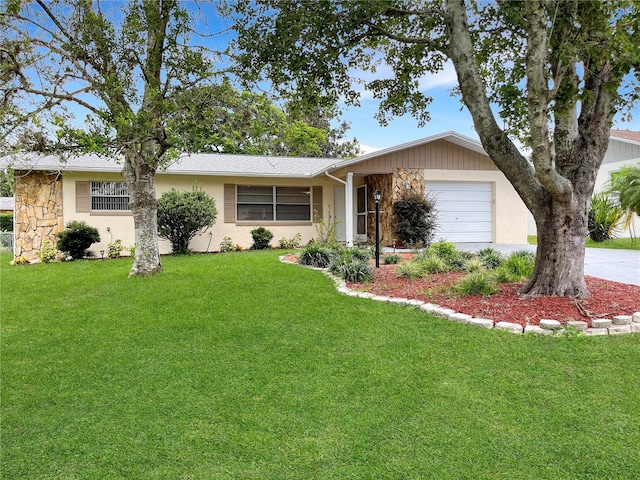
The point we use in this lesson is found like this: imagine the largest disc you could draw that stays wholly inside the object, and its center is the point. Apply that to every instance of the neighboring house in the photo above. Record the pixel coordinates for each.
(476, 203)
(624, 149)
(6, 204)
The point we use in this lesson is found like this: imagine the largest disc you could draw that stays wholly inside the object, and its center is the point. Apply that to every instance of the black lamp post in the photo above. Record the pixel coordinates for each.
(376, 197)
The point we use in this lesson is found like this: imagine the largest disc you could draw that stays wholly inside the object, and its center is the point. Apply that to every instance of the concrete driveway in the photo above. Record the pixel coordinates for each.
(617, 265)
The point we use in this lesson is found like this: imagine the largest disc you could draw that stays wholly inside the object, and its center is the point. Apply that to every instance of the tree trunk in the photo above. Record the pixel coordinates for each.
(559, 269)
(144, 206)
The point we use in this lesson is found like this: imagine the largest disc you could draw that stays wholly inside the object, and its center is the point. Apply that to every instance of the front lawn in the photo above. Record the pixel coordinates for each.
(616, 243)
(235, 366)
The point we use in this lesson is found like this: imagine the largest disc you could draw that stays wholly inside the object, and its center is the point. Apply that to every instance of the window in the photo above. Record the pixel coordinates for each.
(264, 204)
(109, 196)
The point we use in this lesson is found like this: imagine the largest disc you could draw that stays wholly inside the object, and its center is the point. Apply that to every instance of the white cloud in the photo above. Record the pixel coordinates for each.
(368, 149)
(445, 78)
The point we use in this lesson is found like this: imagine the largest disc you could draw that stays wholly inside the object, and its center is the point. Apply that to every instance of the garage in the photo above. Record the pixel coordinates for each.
(464, 209)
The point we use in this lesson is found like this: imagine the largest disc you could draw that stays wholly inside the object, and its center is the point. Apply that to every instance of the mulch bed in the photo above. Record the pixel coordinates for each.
(607, 299)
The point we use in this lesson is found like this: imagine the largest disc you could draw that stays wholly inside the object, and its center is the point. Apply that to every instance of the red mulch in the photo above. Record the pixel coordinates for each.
(607, 299)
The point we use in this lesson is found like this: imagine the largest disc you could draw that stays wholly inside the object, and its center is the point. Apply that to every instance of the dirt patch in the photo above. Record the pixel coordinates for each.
(607, 298)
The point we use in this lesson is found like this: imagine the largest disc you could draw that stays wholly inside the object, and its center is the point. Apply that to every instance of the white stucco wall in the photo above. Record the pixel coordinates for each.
(121, 225)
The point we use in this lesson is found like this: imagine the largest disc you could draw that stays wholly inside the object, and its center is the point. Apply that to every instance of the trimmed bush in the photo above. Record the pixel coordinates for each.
(6, 222)
(77, 238)
(415, 220)
(182, 215)
(261, 238)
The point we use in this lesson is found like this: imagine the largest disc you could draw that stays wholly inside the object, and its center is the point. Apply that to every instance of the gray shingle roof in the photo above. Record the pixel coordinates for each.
(192, 164)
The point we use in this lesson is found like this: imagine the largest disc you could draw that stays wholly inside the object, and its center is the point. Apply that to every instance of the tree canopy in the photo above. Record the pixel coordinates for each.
(551, 74)
(146, 74)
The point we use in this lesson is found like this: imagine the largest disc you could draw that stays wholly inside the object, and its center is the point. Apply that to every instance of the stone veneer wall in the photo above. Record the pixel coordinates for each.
(393, 187)
(407, 181)
(38, 210)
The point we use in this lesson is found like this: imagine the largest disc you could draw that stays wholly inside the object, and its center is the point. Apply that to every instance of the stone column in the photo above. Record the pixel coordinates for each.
(38, 210)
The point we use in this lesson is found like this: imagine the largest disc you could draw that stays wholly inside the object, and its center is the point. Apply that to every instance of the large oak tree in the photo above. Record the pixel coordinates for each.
(549, 73)
(151, 82)
(124, 67)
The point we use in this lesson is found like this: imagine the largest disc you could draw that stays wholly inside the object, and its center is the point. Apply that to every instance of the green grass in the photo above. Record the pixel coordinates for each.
(236, 366)
(617, 243)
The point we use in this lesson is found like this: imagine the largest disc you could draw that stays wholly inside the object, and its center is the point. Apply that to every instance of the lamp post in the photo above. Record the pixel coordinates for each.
(376, 197)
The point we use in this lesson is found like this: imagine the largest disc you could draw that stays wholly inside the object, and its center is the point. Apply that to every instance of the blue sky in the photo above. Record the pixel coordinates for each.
(447, 113)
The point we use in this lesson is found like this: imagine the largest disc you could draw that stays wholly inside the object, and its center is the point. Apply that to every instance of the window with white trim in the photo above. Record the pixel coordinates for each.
(109, 196)
(271, 203)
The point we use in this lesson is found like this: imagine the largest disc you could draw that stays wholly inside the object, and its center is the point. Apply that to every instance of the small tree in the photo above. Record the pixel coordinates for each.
(77, 238)
(182, 215)
(415, 219)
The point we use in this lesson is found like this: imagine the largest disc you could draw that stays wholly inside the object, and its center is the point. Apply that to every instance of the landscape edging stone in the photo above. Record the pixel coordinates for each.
(604, 326)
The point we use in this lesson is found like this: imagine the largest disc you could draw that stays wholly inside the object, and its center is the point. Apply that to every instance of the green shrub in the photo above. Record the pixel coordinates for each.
(363, 253)
(604, 215)
(77, 238)
(115, 248)
(327, 231)
(473, 265)
(290, 243)
(391, 259)
(352, 269)
(491, 258)
(476, 283)
(517, 267)
(317, 255)
(411, 269)
(415, 219)
(227, 245)
(261, 238)
(182, 215)
(454, 259)
(47, 252)
(433, 264)
(504, 275)
(6, 222)
(523, 254)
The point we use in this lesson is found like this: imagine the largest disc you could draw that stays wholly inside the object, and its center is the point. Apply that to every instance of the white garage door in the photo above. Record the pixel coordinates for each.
(464, 211)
